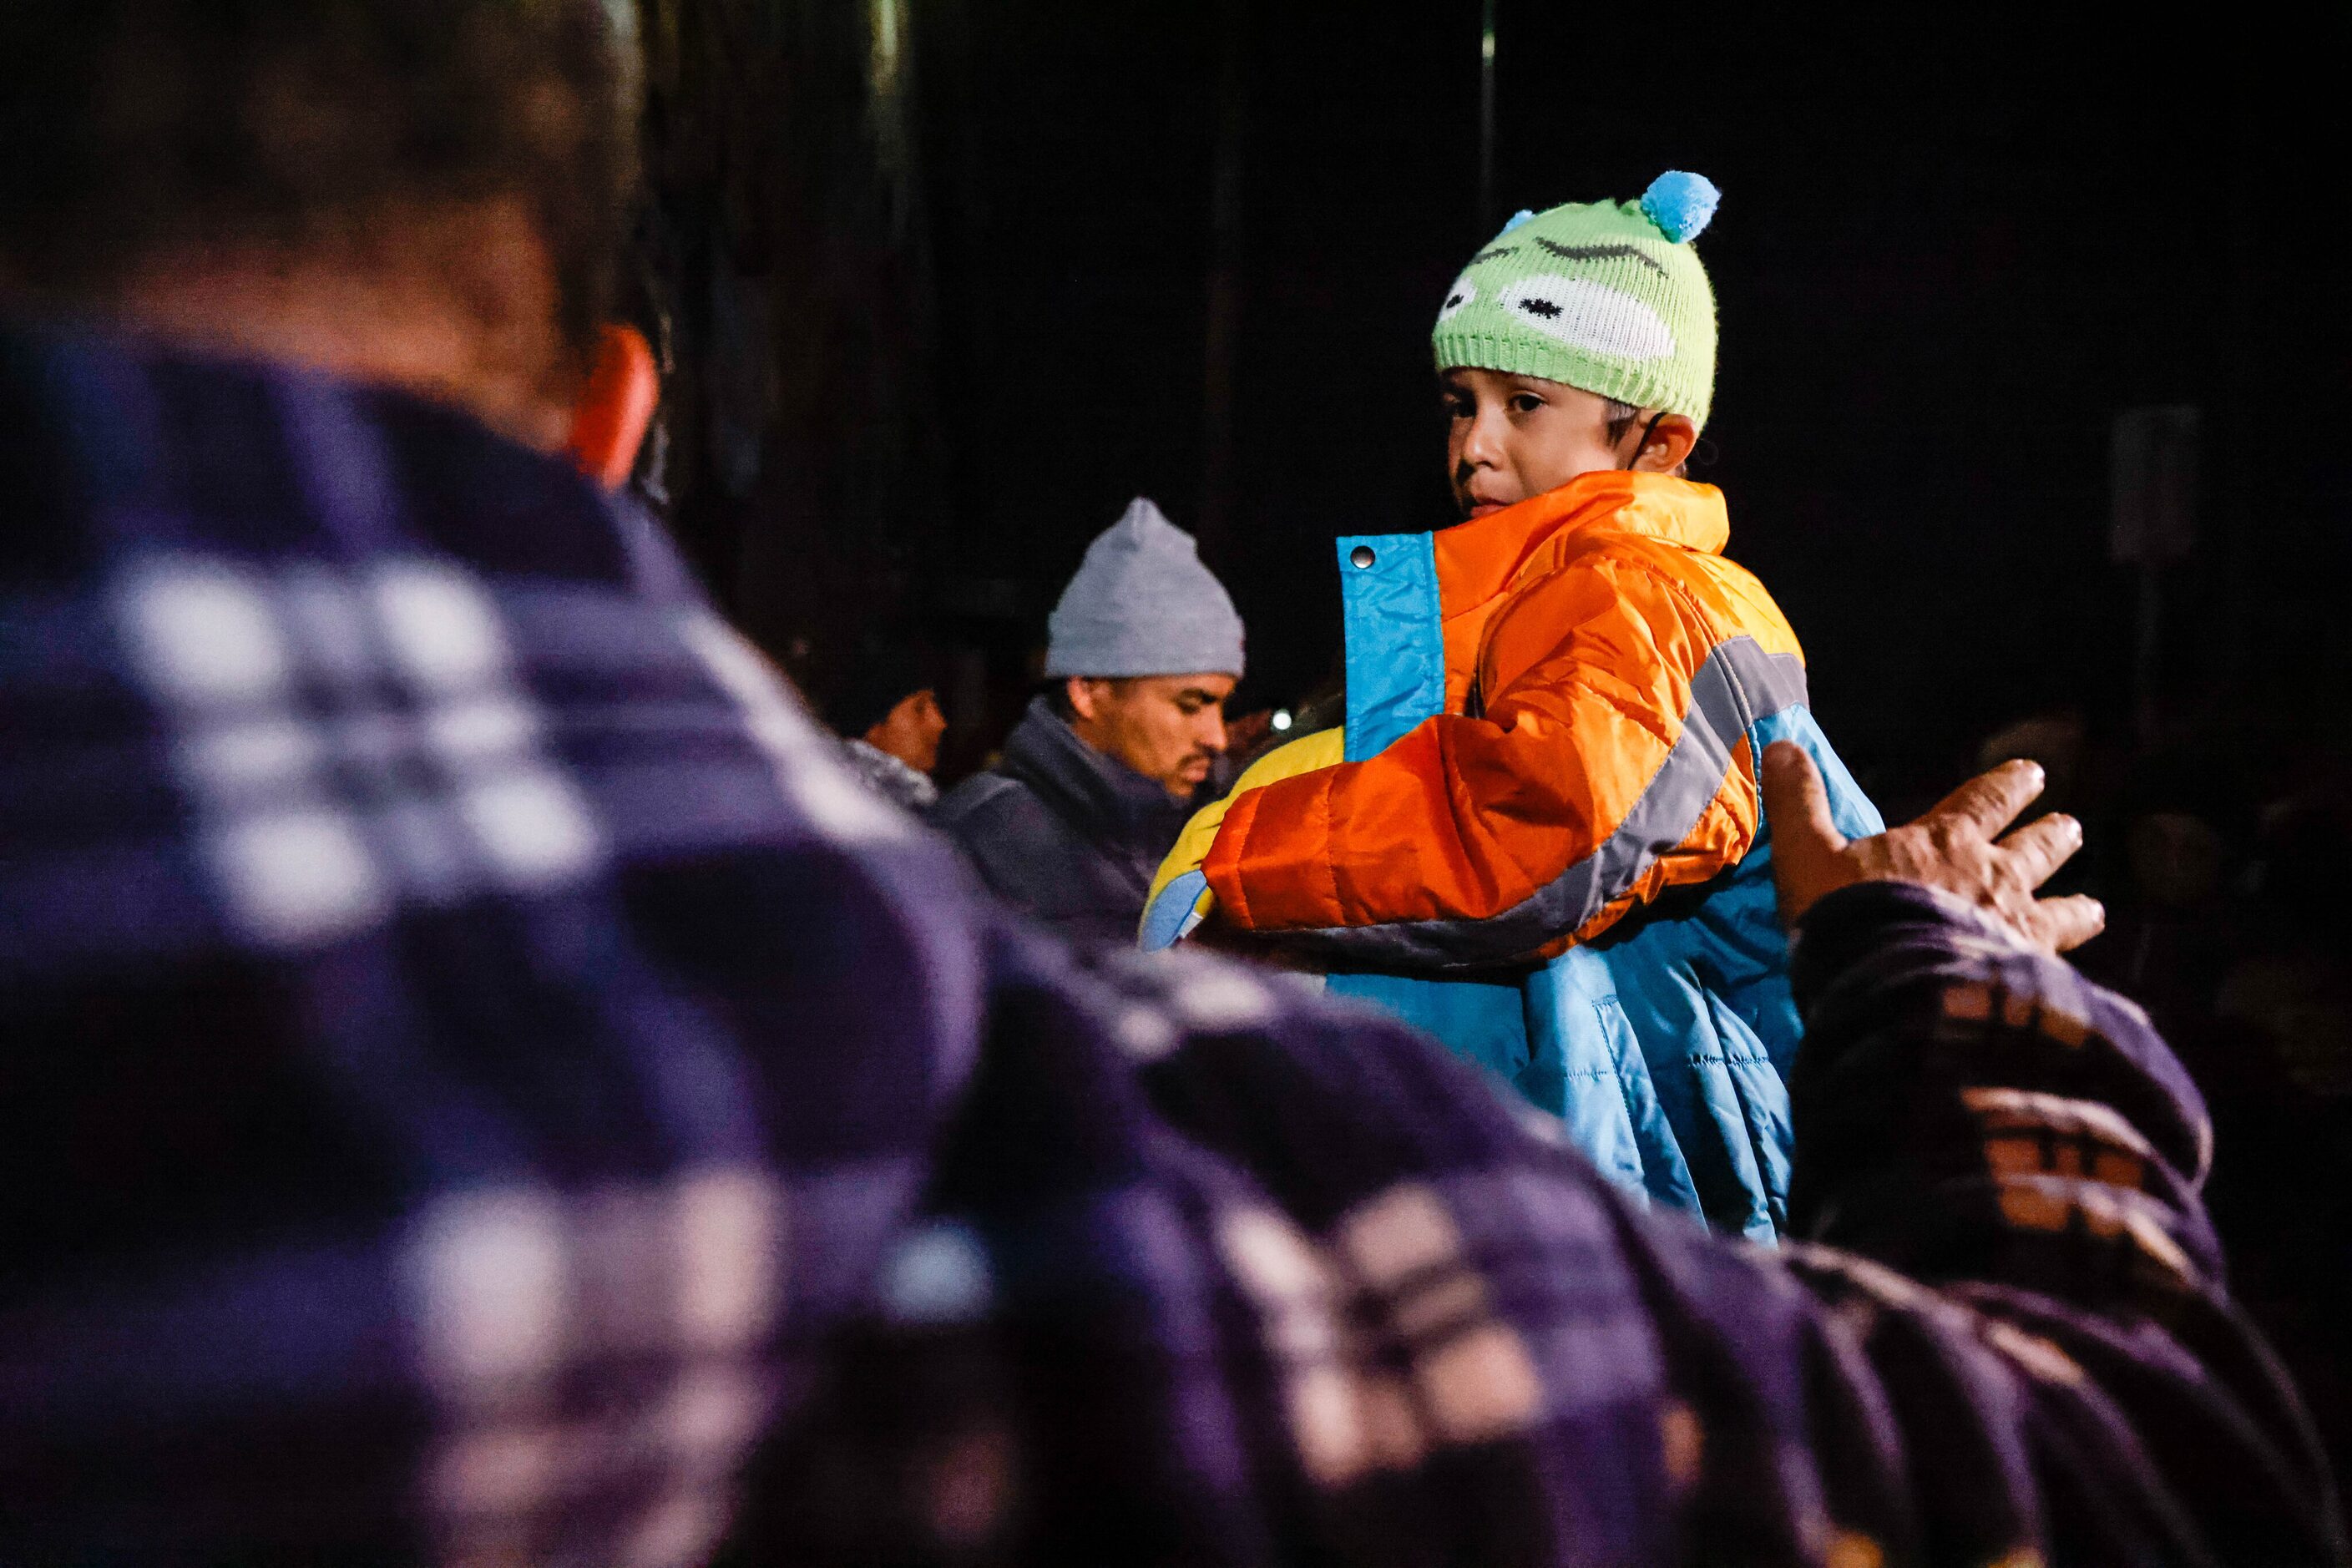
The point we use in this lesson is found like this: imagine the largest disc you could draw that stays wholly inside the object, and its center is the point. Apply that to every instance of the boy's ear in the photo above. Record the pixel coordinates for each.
(1668, 445)
(615, 407)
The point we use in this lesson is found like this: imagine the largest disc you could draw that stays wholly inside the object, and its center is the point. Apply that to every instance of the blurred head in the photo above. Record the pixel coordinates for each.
(910, 731)
(883, 689)
(421, 193)
(1168, 728)
(2305, 861)
(2055, 739)
(1511, 437)
(2177, 859)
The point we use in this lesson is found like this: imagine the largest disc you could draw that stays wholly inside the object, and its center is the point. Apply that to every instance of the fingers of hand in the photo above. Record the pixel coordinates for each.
(1796, 802)
(2038, 848)
(1990, 801)
(1806, 842)
(2062, 924)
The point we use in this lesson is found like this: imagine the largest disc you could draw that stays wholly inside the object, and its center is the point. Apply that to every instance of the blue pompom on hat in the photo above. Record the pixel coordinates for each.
(1680, 203)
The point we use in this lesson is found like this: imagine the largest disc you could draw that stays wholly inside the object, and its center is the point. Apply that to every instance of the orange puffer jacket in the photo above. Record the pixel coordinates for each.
(1546, 844)
(1578, 630)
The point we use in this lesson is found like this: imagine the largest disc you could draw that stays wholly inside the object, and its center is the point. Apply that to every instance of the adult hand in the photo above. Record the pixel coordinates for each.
(1953, 848)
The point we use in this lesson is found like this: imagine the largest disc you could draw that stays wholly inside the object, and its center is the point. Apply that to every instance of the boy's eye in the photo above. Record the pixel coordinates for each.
(1524, 403)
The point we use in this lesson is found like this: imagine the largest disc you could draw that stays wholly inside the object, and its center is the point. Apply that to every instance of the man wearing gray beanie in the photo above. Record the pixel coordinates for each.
(1099, 776)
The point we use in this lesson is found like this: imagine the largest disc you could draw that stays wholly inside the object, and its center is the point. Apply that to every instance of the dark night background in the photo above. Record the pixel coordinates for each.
(1944, 261)
(942, 285)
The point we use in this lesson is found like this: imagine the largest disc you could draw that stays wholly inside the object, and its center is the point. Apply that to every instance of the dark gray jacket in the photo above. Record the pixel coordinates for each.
(1062, 832)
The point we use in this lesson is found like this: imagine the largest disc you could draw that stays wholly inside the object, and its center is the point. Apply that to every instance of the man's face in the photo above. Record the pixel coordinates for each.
(1168, 728)
(910, 731)
(1512, 436)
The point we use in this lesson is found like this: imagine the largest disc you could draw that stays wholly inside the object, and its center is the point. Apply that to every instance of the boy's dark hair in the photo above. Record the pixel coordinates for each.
(133, 129)
(1620, 418)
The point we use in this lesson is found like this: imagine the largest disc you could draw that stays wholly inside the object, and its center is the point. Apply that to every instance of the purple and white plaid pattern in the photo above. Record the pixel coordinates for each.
(485, 1085)
(513, 1291)
(350, 741)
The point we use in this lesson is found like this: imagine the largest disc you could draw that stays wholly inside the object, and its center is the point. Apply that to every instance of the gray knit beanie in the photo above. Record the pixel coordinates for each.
(1142, 604)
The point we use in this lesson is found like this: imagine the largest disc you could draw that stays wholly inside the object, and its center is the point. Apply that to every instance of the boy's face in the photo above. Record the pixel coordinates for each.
(1511, 437)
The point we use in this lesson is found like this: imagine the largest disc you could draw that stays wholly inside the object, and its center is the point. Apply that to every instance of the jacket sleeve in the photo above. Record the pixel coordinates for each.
(2000, 1168)
(1595, 778)
(1179, 896)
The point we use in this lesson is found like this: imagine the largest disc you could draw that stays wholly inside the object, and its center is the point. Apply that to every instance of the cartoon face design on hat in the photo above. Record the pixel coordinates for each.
(1587, 314)
(1565, 301)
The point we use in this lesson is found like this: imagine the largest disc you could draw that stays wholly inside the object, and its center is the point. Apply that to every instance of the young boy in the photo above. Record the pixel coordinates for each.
(1539, 835)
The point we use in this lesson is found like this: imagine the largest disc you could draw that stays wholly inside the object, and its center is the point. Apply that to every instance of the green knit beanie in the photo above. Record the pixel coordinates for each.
(1606, 295)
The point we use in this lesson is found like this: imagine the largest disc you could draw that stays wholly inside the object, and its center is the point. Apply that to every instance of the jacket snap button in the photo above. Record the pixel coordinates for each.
(1362, 556)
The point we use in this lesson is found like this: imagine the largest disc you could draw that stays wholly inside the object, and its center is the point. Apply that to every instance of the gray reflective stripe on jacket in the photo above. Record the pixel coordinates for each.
(1738, 685)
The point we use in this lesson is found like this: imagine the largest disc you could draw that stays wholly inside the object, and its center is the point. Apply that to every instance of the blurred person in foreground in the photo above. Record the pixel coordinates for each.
(886, 708)
(1099, 777)
(484, 1085)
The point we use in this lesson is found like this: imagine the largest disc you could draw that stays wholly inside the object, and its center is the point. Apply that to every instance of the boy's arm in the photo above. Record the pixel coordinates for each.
(1595, 779)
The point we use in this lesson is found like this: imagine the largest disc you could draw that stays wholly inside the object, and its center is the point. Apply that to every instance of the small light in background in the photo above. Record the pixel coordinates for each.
(1282, 718)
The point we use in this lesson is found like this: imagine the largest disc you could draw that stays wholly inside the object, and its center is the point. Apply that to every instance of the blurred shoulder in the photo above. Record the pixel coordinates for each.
(1002, 823)
(983, 797)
